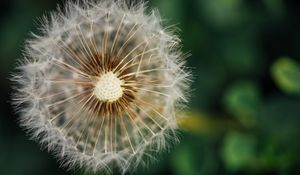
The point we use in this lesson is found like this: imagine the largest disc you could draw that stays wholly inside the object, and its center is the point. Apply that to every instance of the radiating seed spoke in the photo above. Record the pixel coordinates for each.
(127, 135)
(152, 107)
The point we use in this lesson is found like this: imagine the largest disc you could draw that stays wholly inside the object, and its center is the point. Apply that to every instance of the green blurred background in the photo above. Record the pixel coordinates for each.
(244, 113)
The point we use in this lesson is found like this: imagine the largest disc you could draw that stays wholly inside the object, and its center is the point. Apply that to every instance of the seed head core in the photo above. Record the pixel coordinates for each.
(108, 87)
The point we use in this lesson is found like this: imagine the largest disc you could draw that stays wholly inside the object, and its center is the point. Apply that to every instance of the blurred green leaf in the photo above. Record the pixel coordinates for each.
(195, 155)
(195, 122)
(286, 74)
(243, 101)
(239, 151)
(202, 124)
(276, 154)
(279, 125)
(183, 162)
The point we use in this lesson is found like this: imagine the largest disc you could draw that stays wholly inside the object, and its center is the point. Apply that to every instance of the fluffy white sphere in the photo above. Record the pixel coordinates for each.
(100, 86)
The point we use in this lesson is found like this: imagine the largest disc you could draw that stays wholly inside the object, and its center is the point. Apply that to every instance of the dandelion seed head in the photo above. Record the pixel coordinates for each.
(100, 86)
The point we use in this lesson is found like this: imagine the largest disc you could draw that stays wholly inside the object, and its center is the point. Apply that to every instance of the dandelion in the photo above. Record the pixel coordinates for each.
(99, 86)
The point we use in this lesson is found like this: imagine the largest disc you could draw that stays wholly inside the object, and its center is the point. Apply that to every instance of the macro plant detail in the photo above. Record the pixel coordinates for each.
(101, 84)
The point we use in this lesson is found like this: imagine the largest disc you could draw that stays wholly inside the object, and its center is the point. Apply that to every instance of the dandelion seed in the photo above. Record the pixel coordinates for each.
(100, 85)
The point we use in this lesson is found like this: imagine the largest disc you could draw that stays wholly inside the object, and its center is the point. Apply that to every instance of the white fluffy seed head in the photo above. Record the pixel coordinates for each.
(100, 85)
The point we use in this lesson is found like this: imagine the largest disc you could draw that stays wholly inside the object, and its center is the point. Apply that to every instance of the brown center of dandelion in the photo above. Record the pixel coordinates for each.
(108, 87)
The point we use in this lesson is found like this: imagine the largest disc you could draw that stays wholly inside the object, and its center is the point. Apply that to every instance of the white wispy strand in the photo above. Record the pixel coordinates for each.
(55, 85)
